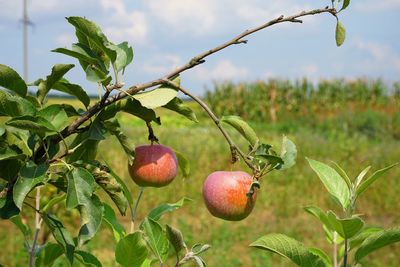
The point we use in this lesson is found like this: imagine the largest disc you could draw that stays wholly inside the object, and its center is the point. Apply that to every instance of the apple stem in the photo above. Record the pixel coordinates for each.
(133, 211)
(151, 137)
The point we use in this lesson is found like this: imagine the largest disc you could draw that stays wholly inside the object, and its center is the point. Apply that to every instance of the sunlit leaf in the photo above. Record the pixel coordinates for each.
(243, 128)
(158, 97)
(340, 33)
(289, 248)
(131, 251)
(177, 105)
(332, 181)
(156, 238)
(156, 213)
(30, 176)
(375, 176)
(57, 72)
(376, 241)
(110, 218)
(347, 227)
(11, 80)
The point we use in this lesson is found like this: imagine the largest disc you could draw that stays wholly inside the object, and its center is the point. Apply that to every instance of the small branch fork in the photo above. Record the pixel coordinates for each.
(197, 60)
(235, 150)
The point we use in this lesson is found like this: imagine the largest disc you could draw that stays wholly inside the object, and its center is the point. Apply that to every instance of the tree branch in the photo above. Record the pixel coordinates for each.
(197, 60)
(234, 148)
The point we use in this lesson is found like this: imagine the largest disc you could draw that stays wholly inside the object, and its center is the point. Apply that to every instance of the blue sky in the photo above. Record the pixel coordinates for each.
(167, 33)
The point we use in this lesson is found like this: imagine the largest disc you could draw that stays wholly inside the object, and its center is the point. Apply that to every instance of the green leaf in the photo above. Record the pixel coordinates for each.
(8, 209)
(159, 96)
(30, 176)
(362, 235)
(347, 227)
(290, 249)
(200, 248)
(175, 237)
(125, 189)
(199, 261)
(271, 159)
(23, 227)
(322, 255)
(177, 105)
(340, 33)
(332, 181)
(80, 52)
(56, 115)
(110, 218)
(18, 140)
(376, 241)
(124, 55)
(81, 185)
(35, 124)
(61, 235)
(288, 153)
(343, 174)
(361, 176)
(156, 213)
(13, 106)
(131, 251)
(95, 74)
(147, 262)
(48, 255)
(57, 72)
(184, 164)
(84, 148)
(97, 130)
(87, 259)
(8, 152)
(156, 238)
(114, 128)
(345, 5)
(93, 34)
(319, 214)
(80, 193)
(243, 128)
(72, 89)
(10, 168)
(131, 106)
(112, 187)
(11, 80)
(375, 176)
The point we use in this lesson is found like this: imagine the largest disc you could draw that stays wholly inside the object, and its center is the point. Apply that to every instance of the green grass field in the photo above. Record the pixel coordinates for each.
(280, 201)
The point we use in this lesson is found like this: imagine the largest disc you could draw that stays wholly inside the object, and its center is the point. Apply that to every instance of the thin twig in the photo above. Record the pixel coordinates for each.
(335, 263)
(32, 250)
(346, 244)
(134, 210)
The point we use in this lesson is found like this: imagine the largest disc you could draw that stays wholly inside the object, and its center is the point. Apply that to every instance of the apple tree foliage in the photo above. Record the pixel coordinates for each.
(52, 148)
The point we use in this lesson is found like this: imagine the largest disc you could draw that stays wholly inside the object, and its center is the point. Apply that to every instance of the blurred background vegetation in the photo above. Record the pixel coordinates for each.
(354, 123)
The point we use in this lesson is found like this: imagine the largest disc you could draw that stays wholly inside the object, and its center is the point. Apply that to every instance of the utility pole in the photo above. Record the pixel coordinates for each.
(25, 22)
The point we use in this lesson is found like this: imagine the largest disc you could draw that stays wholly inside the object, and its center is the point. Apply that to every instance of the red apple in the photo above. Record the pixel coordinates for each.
(154, 165)
(225, 195)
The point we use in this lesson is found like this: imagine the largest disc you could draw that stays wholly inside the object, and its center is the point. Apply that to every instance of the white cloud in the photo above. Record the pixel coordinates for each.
(130, 26)
(310, 70)
(258, 13)
(380, 57)
(185, 16)
(65, 39)
(222, 71)
(377, 6)
(161, 64)
(122, 24)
